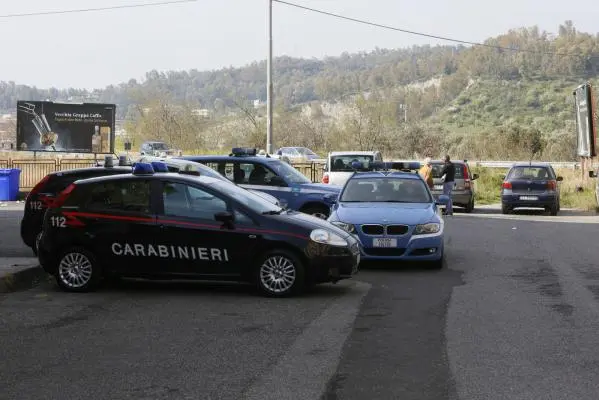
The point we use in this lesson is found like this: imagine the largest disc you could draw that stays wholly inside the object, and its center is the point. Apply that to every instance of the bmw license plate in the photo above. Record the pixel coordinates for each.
(529, 198)
(438, 187)
(384, 242)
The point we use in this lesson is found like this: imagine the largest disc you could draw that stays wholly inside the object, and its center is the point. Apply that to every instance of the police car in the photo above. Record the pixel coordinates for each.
(161, 225)
(393, 213)
(176, 165)
(275, 177)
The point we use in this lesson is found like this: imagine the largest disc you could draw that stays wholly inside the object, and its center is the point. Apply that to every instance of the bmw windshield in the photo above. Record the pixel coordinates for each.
(386, 190)
(288, 173)
(248, 199)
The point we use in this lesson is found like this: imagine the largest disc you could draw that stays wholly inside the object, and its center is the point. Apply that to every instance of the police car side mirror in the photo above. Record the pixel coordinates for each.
(224, 216)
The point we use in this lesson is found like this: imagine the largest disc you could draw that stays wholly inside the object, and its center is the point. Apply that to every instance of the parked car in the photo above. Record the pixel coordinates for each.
(339, 168)
(158, 149)
(464, 189)
(531, 185)
(297, 154)
(275, 177)
(177, 165)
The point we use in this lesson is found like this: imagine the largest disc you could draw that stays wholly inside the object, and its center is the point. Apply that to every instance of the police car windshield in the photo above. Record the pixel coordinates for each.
(387, 190)
(248, 199)
(288, 173)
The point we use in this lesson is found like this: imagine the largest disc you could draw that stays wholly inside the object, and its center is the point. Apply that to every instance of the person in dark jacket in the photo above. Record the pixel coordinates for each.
(448, 176)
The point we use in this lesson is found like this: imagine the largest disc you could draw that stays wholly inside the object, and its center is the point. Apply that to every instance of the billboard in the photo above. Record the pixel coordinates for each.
(64, 127)
(585, 123)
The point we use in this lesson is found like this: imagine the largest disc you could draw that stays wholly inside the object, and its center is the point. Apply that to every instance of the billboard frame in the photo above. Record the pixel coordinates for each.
(66, 151)
(586, 141)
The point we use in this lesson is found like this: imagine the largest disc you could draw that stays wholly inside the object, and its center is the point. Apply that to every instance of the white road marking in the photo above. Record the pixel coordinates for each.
(304, 371)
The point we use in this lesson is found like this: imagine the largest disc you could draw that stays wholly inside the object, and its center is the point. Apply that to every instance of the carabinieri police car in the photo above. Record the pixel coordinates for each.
(275, 177)
(152, 224)
(393, 213)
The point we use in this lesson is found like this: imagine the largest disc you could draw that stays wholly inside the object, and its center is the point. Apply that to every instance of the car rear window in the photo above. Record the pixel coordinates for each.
(530, 173)
(120, 195)
(459, 170)
(343, 163)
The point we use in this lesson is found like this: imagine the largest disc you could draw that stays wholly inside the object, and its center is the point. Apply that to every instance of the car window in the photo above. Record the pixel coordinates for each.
(392, 190)
(530, 173)
(181, 200)
(122, 195)
(255, 174)
(438, 167)
(343, 163)
(247, 198)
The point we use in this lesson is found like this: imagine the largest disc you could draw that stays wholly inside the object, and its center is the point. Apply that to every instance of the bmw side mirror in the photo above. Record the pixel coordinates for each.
(443, 200)
(560, 178)
(474, 177)
(225, 217)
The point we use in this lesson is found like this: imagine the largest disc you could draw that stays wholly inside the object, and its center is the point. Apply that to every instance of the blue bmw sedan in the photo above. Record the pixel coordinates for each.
(394, 215)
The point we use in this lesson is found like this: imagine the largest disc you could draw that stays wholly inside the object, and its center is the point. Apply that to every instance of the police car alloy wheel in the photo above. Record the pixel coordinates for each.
(77, 270)
(279, 274)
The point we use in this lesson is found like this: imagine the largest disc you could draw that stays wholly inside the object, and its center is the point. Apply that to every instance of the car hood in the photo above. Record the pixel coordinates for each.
(388, 213)
(310, 222)
(322, 187)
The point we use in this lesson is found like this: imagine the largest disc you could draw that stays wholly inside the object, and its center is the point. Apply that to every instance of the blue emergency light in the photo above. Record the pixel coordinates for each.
(142, 168)
(159, 166)
(243, 151)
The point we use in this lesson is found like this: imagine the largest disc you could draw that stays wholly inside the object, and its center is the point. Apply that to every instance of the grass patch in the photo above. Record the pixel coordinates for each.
(488, 188)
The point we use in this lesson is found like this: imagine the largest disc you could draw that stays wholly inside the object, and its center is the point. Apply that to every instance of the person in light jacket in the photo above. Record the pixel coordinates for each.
(426, 172)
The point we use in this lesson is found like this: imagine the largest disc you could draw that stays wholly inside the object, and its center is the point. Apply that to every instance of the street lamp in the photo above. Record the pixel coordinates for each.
(269, 148)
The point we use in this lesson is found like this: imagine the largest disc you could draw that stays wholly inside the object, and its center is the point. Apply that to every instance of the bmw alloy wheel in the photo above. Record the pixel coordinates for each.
(278, 274)
(75, 270)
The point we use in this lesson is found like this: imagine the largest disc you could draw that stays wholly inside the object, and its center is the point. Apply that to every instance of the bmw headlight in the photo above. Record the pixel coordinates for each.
(426, 229)
(325, 237)
(349, 228)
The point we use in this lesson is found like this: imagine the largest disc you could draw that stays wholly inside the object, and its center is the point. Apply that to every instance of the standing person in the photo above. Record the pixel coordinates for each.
(448, 173)
(426, 172)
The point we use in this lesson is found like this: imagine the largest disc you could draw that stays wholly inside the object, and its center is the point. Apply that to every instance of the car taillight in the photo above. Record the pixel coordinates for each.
(325, 178)
(38, 187)
(466, 173)
(62, 196)
(551, 185)
(507, 185)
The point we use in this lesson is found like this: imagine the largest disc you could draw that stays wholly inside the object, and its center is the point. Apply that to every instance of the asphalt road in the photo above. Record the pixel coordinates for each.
(514, 316)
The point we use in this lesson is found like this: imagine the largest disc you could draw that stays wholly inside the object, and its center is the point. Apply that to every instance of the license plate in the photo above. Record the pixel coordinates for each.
(529, 198)
(438, 187)
(384, 242)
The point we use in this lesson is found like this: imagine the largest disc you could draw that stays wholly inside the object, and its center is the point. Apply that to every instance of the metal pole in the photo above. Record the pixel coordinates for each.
(269, 148)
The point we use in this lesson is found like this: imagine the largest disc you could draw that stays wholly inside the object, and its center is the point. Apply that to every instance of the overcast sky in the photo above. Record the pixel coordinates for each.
(95, 49)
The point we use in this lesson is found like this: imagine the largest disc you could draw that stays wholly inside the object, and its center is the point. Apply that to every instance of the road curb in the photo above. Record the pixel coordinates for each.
(22, 278)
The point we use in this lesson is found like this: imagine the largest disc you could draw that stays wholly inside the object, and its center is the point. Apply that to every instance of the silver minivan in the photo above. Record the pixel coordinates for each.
(463, 190)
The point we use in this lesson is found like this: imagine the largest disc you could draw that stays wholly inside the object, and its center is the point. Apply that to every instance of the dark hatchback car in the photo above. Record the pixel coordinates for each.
(175, 226)
(531, 185)
(45, 191)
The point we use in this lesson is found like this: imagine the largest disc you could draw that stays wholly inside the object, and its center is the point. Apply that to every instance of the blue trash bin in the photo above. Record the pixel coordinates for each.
(9, 184)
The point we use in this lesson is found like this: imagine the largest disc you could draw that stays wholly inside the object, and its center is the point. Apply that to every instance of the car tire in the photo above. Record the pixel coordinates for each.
(36, 242)
(318, 211)
(275, 265)
(437, 264)
(470, 206)
(505, 209)
(554, 209)
(77, 270)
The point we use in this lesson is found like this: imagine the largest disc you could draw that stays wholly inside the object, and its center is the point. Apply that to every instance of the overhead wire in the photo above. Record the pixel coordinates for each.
(80, 10)
(432, 36)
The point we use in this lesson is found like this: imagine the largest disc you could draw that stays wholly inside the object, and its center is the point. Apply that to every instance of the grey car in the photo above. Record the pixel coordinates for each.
(463, 191)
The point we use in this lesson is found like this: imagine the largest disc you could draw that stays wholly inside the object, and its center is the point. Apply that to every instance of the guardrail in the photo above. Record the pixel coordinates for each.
(33, 170)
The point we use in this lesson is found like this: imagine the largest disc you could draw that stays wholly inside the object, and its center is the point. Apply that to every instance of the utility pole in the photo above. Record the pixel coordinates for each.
(269, 148)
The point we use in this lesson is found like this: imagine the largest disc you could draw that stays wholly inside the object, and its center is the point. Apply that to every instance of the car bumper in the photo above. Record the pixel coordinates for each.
(515, 200)
(419, 248)
(461, 197)
(331, 264)
(27, 232)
